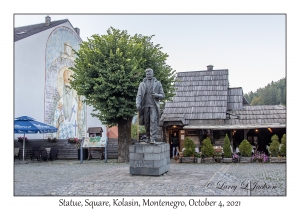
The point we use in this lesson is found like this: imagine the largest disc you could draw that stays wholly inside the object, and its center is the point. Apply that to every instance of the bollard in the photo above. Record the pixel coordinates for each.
(81, 151)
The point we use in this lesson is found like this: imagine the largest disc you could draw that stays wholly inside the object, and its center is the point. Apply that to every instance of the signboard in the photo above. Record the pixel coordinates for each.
(96, 141)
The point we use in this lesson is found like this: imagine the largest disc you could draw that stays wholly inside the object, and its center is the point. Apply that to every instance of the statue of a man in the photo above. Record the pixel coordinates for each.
(147, 102)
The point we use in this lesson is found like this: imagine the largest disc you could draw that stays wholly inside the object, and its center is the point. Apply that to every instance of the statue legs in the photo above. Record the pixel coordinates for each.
(150, 117)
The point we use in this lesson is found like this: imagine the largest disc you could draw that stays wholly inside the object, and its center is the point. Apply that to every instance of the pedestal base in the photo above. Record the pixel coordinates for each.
(149, 159)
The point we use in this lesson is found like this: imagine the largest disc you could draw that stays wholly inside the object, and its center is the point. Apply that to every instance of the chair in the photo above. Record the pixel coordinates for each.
(44, 155)
(53, 153)
(36, 154)
(16, 154)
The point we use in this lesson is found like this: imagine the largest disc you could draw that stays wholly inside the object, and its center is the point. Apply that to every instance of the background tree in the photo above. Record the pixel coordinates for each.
(108, 70)
(272, 94)
(134, 130)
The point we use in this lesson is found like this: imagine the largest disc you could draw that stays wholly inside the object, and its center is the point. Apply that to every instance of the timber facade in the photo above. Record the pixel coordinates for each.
(204, 105)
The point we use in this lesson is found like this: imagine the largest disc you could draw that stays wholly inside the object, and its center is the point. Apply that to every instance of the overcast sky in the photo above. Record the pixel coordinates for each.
(252, 47)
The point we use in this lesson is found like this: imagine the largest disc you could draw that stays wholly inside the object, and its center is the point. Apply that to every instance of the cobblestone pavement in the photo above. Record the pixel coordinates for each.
(94, 177)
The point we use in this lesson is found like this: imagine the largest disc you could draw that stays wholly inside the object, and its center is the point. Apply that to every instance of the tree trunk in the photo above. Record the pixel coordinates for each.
(124, 139)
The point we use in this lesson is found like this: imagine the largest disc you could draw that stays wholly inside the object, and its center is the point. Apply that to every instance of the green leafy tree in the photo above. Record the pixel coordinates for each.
(283, 145)
(272, 94)
(134, 130)
(207, 148)
(226, 147)
(279, 96)
(245, 148)
(189, 146)
(256, 101)
(107, 71)
(274, 146)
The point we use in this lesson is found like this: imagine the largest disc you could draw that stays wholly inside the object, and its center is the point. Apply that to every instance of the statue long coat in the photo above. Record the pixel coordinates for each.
(157, 88)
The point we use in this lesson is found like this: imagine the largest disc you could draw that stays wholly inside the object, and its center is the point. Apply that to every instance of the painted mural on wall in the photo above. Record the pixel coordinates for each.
(64, 108)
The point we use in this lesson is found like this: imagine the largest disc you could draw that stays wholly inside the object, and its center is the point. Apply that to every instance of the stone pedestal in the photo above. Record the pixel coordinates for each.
(149, 159)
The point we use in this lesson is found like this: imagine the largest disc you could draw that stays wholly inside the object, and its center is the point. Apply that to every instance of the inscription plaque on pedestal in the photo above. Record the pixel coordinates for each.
(149, 159)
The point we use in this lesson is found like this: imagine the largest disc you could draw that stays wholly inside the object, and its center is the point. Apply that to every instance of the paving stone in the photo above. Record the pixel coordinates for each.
(95, 177)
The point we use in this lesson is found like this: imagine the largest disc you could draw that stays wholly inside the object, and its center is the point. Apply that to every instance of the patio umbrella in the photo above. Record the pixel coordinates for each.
(27, 124)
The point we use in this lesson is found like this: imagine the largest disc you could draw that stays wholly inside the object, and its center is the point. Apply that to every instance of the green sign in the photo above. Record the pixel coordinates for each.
(96, 141)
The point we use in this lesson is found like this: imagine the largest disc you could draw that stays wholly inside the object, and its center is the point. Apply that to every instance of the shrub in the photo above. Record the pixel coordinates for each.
(198, 155)
(245, 148)
(283, 146)
(207, 149)
(189, 148)
(52, 140)
(274, 146)
(226, 147)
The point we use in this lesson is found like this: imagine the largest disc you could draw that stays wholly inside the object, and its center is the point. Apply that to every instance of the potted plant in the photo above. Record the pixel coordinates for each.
(218, 151)
(245, 149)
(73, 140)
(274, 150)
(52, 140)
(207, 150)
(227, 150)
(188, 152)
(260, 157)
(235, 158)
(20, 139)
(282, 149)
(198, 157)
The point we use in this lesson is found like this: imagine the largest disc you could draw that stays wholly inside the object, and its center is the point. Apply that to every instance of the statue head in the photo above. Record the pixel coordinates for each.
(149, 73)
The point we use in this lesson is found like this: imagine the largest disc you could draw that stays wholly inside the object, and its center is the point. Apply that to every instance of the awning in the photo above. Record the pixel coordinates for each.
(227, 127)
(95, 130)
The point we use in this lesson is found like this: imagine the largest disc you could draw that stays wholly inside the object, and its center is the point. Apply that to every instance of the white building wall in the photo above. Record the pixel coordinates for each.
(29, 79)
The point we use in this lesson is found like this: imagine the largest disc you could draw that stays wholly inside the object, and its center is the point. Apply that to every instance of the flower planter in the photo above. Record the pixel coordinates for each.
(245, 160)
(209, 160)
(258, 161)
(277, 159)
(187, 160)
(218, 160)
(199, 160)
(227, 160)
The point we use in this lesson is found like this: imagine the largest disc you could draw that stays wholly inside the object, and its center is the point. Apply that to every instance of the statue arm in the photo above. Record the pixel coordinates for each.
(161, 94)
(139, 97)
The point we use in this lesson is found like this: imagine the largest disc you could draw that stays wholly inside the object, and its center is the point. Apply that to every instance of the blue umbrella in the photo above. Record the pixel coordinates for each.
(26, 124)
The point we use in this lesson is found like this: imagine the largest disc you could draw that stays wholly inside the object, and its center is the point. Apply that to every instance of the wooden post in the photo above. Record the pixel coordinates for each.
(137, 126)
(245, 133)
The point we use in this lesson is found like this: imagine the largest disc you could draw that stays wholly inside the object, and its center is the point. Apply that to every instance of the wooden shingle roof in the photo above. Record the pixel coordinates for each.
(198, 95)
(235, 99)
(250, 117)
(263, 114)
(95, 130)
(26, 31)
(203, 100)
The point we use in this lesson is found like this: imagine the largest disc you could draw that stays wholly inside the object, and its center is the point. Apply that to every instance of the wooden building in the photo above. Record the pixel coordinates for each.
(205, 105)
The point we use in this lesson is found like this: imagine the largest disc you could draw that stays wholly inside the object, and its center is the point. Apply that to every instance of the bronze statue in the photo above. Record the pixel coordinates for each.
(147, 102)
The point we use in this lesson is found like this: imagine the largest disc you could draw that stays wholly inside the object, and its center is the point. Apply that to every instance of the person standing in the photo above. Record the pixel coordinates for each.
(174, 143)
(147, 102)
